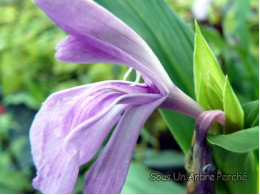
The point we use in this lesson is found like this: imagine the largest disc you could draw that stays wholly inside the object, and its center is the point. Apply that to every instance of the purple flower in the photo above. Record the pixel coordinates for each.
(72, 124)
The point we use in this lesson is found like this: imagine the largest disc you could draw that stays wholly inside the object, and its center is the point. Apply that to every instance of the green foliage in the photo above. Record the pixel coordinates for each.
(232, 108)
(227, 151)
(15, 174)
(251, 110)
(159, 159)
(181, 128)
(212, 90)
(209, 79)
(241, 141)
(233, 37)
(29, 72)
(235, 163)
(137, 182)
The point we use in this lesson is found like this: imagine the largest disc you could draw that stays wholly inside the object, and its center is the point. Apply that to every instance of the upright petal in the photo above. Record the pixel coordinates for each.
(109, 172)
(96, 35)
(72, 124)
(75, 49)
(92, 25)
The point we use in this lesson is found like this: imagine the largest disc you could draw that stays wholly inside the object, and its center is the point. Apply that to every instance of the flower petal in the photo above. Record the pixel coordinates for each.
(87, 50)
(204, 122)
(109, 172)
(66, 126)
(202, 157)
(58, 172)
(66, 109)
(99, 32)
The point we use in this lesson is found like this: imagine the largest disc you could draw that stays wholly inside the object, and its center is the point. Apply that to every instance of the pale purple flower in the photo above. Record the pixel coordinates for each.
(72, 124)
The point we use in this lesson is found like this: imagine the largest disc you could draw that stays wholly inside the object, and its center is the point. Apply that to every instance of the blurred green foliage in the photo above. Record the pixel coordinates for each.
(29, 72)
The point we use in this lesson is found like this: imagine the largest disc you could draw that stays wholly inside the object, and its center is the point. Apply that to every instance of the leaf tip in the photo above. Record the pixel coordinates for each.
(197, 28)
(232, 108)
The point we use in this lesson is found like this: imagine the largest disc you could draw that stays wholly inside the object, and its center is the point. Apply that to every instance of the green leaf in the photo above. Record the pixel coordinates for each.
(251, 111)
(79, 186)
(5, 124)
(212, 90)
(160, 159)
(205, 66)
(12, 180)
(172, 42)
(214, 94)
(21, 98)
(236, 23)
(241, 141)
(232, 108)
(137, 182)
(243, 60)
(181, 127)
(231, 163)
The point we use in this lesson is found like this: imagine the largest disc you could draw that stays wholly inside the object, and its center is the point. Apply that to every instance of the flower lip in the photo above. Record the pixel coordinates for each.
(68, 121)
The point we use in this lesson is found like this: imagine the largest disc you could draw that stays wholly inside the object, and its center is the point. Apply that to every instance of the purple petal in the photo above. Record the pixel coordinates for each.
(66, 109)
(204, 122)
(68, 123)
(202, 158)
(96, 35)
(109, 172)
(58, 174)
(99, 36)
(76, 50)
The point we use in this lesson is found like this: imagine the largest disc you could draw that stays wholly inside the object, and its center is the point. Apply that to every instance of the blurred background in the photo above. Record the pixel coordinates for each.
(29, 73)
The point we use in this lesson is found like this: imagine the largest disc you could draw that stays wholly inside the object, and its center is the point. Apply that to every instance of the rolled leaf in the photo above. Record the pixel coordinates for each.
(205, 67)
(212, 90)
(232, 108)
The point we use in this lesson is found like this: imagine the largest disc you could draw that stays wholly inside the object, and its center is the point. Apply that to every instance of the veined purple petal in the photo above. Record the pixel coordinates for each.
(202, 158)
(99, 36)
(109, 172)
(58, 174)
(63, 110)
(64, 130)
(204, 122)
